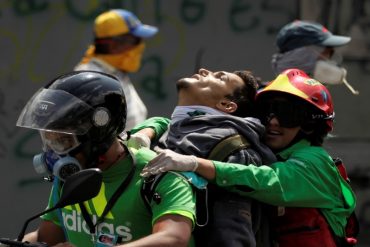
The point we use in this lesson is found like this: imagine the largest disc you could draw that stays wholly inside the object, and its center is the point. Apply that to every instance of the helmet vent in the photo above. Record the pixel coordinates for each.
(101, 117)
(314, 99)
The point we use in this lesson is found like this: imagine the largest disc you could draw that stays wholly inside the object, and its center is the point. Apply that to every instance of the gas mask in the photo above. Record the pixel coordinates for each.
(50, 164)
(55, 160)
(328, 72)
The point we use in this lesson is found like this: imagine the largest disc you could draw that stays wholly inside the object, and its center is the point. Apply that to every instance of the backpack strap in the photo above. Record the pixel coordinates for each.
(353, 226)
(341, 168)
(147, 190)
(149, 194)
(228, 146)
(219, 152)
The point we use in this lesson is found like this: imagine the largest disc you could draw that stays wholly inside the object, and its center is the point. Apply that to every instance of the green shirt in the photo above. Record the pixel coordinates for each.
(129, 218)
(307, 177)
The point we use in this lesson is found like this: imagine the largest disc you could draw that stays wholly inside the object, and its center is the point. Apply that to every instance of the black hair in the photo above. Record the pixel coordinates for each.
(315, 129)
(245, 96)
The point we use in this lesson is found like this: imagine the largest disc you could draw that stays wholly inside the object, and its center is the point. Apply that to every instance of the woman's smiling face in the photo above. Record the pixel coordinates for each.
(278, 137)
(282, 118)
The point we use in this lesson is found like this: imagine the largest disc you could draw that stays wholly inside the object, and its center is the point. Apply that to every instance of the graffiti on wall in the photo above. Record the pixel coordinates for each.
(241, 17)
(47, 37)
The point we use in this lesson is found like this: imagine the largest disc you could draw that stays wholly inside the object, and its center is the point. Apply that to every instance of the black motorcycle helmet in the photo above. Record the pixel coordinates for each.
(88, 104)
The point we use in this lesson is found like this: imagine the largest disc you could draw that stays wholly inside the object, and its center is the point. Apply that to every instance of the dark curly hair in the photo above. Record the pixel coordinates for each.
(245, 96)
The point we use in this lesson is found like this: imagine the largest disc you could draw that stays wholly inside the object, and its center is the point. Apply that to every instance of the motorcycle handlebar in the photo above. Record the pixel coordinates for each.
(15, 243)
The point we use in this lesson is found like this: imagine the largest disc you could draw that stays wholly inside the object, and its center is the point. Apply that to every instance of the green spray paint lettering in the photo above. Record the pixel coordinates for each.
(238, 10)
(154, 83)
(192, 11)
(28, 7)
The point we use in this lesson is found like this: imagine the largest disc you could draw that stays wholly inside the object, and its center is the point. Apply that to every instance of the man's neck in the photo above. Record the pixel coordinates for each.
(114, 154)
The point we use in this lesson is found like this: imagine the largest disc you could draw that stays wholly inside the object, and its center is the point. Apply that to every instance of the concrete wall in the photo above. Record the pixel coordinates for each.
(41, 39)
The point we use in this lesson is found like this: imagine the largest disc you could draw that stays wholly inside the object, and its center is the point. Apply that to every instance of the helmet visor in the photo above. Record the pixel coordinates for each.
(57, 111)
(60, 143)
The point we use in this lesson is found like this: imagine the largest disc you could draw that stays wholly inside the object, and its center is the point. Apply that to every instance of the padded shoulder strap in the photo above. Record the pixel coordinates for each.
(148, 190)
(227, 146)
(353, 226)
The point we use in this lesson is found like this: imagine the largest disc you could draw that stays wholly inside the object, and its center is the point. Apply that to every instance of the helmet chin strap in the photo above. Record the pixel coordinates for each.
(102, 158)
(93, 152)
(91, 158)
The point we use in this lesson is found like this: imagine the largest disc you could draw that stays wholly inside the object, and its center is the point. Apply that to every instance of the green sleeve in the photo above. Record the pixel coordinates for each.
(294, 182)
(177, 197)
(159, 124)
(306, 179)
(176, 193)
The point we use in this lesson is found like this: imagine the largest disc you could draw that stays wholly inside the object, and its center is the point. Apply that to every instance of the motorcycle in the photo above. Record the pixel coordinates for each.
(77, 188)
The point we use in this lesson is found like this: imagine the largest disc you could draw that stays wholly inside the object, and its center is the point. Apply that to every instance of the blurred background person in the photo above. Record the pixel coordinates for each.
(311, 47)
(117, 50)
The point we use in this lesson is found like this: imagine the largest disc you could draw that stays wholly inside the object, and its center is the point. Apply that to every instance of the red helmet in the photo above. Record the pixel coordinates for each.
(297, 83)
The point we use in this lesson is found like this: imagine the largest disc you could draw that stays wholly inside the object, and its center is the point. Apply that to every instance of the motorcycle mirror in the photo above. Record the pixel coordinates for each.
(79, 187)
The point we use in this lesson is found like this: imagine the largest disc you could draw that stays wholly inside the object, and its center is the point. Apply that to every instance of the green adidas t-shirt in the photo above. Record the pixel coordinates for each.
(129, 219)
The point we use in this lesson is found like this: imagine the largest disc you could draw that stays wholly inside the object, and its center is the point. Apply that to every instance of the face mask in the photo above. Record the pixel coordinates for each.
(303, 58)
(329, 73)
(50, 164)
(128, 61)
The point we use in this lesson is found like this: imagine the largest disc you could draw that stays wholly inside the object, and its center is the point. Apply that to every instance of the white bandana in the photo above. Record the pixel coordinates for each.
(303, 58)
